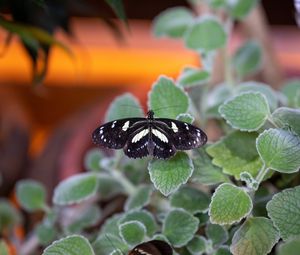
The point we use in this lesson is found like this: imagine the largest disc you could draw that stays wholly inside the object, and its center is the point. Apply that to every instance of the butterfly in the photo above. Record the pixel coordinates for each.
(154, 247)
(157, 137)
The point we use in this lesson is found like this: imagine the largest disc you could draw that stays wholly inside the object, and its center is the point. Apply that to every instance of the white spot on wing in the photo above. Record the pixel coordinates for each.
(160, 135)
(102, 136)
(101, 131)
(174, 127)
(113, 124)
(125, 126)
(186, 126)
(140, 135)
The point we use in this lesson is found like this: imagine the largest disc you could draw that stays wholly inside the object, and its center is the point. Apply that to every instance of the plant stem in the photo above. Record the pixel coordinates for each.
(261, 174)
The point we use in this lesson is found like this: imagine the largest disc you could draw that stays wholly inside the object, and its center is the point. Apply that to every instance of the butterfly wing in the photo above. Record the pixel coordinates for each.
(136, 145)
(154, 247)
(184, 136)
(114, 134)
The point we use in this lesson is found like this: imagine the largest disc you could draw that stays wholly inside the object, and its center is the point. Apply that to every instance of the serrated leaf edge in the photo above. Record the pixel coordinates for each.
(68, 237)
(234, 221)
(187, 213)
(233, 98)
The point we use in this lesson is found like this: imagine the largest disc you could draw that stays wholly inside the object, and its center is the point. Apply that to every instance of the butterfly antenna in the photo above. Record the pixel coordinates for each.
(112, 244)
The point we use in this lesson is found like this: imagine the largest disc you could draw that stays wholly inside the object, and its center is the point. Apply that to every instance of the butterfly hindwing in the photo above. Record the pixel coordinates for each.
(154, 247)
(114, 134)
(184, 136)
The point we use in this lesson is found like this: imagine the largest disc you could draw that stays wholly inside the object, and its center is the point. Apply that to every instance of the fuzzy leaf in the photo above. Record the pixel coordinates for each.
(239, 9)
(111, 225)
(205, 171)
(290, 89)
(9, 216)
(284, 210)
(70, 245)
(197, 245)
(236, 153)
(191, 199)
(142, 216)
(254, 86)
(168, 175)
(31, 195)
(223, 250)
(107, 243)
(179, 227)
(256, 236)
(287, 117)
(166, 99)
(291, 247)
(279, 150)
(246, 112)
(75, 189)
(229, 204)
(92, 160)
(206, 34)
(108, 186)
(132, 232)
(45, 233)
(140, 198)
(172, 22)
(185, 117)
(124, 106)
(216, 233)
(248, 58)
(191, 77)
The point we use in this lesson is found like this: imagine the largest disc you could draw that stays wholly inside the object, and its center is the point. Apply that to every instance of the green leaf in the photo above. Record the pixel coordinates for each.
(140, 198)
(279, 150)
(291, 247)
(118, 8)
(124, 106)
(168, 175)
(206, 34)
(92, 160)
(9, 216)
(256, 236)
(217, 234)
(236, 153)
(132, 232)
(248, 58)
(215, 98)
(75, 189)
(191, 199)
(70, 245)
(45, 233)
(290, 89)
(111, 225)
(107, 243)
(142, 216)
(31, 195)
(287, 117)
(229, 204)
(284, 210)
(172, 22)
(265, 89)
(179, 227)
(116, 252)
(3, 248)
(246, 112)
(108, 186)
(197, 245)
(185, 117)
(166, 99)
(191, 77)
(241, 8)
(223, 250)
(205, 171)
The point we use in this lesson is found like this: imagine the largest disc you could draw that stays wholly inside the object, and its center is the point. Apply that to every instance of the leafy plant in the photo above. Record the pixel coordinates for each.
(219, 199)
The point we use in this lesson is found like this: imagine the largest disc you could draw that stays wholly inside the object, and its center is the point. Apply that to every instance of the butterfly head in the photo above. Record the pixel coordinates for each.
(150, 114)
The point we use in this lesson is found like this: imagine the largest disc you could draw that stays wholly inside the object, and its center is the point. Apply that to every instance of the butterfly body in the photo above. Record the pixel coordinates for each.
(157, 137)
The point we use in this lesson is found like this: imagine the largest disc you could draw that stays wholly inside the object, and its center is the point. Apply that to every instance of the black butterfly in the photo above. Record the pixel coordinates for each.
(140, 137)
(154, 247)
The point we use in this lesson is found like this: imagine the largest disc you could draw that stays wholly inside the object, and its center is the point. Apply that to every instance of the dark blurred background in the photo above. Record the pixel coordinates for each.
(45, 128)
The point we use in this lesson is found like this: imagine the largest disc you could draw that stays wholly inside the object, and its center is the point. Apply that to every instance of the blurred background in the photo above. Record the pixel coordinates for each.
(53, 97)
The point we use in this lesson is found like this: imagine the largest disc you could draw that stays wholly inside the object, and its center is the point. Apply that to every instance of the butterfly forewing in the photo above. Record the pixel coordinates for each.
(154, 247)
(114, 134)
(184, 136)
